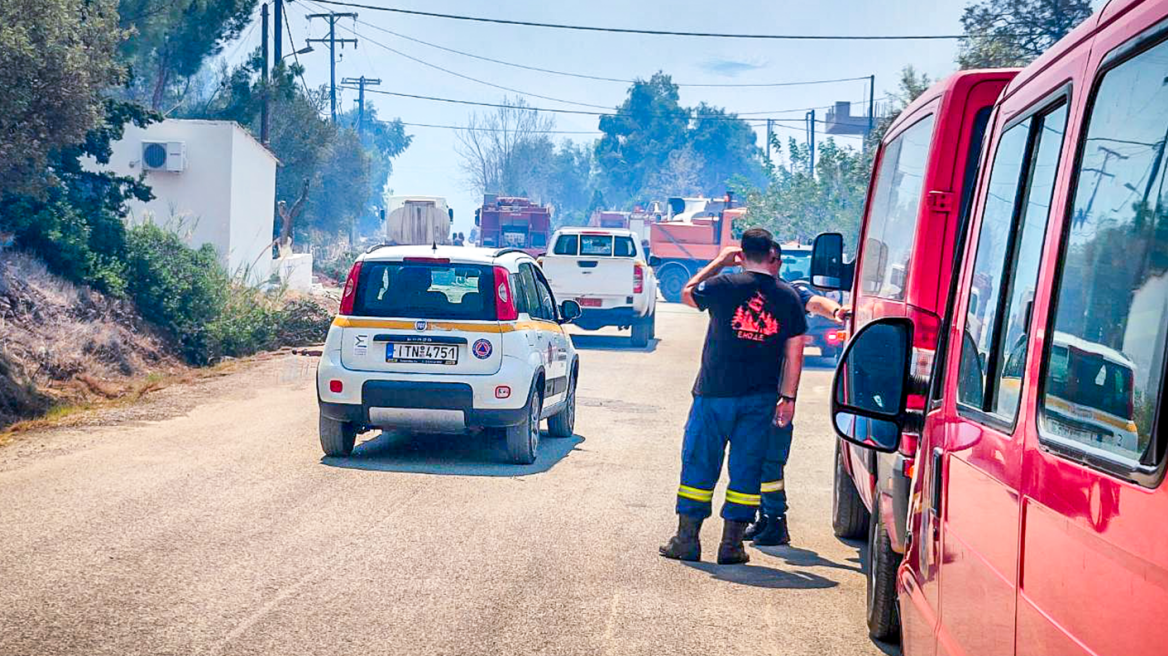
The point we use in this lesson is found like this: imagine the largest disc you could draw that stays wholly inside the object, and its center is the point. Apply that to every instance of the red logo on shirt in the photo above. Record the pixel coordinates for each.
(753, 322)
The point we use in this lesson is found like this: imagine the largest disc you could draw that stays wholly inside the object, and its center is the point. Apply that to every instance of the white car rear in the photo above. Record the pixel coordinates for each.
(607, 272)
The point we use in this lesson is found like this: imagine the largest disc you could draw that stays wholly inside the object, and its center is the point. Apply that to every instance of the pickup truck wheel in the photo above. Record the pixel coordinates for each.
(337, 437)
(643, 331)
(523, 439)
(849, 517)
(671, 281)
(563, 423)
(883, 619)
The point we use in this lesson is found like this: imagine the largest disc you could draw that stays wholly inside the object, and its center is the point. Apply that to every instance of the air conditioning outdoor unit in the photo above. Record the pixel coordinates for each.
(164, 156)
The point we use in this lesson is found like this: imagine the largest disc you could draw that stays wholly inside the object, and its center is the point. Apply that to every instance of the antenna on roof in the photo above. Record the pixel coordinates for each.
(435, 247)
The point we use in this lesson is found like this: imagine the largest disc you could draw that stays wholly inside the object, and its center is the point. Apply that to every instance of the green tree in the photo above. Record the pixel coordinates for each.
(56, 56)
(172, 39)
(648, 126)
(1005, 33)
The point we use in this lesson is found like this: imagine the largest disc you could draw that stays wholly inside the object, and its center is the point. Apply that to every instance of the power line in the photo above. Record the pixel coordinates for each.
(600, 78)
(716, 35)
(483, 129)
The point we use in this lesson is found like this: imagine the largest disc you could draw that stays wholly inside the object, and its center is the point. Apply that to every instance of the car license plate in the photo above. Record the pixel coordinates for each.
(421, 353)
(589, 302)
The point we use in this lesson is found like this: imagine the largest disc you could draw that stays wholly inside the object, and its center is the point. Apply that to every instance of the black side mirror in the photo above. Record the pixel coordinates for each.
(450, 213)
(569, 311)
(872, 385)
(654, 261)
(478, 218)
(827, 262)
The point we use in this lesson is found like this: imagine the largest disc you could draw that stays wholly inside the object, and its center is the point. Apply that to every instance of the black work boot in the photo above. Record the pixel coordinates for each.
(759, 526)
(731, 551)
(685, 545)
(774, 534)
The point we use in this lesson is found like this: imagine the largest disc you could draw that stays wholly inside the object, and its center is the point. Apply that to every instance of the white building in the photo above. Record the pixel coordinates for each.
(213, 183)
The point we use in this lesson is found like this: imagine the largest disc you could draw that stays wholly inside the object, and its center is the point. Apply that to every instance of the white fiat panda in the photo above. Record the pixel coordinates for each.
(448, 340)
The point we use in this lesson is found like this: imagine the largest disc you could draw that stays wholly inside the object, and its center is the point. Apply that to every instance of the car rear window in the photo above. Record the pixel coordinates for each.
(425, 291)
(625, 247)
(596, 245)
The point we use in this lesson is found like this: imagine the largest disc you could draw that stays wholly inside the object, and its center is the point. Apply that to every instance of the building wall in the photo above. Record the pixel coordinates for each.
(225, 196)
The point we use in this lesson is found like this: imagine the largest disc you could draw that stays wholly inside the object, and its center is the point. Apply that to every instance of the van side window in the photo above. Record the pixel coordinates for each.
(892, 221)
(1105, 360)
(1005, 271)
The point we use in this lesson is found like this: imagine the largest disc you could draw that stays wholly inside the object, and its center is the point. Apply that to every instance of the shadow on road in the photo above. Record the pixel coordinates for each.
(805, 558)
(450, 455)
(764, 577)
(610, 343)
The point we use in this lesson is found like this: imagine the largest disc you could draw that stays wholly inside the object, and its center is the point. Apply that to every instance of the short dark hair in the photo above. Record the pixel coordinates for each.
(757, 244)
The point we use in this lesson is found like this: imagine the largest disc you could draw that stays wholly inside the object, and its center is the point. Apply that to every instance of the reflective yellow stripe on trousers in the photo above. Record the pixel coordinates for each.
(772, 486)
(742, 499)
(694, 493)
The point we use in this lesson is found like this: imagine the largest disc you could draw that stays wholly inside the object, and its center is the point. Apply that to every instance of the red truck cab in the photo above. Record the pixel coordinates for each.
(1038, 500)
(918, 203)
(511, 222)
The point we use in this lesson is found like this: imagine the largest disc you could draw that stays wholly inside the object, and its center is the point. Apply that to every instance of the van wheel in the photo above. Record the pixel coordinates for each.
(563, 423)
(523, 439)
(849, 517)
(883, 619)
(337, 437)
(643, 331)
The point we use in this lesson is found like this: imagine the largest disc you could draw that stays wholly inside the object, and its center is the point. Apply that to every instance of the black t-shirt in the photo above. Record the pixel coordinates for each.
(752, 315)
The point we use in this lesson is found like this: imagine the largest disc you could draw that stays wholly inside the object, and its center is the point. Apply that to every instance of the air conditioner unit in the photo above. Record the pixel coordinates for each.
(164, 156)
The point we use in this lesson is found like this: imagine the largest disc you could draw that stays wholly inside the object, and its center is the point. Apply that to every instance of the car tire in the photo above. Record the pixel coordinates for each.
(883, 616)
(671, 282)
(523, 439)
(643, 331)
(337, 437)
(563, 423)
(849, 517)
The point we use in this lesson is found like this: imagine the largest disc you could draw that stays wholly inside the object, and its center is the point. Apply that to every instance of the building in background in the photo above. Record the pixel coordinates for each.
(213, 184)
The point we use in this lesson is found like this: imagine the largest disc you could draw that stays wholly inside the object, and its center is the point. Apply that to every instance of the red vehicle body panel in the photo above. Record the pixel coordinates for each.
(515, 222)
(1031, 551)
(954, 104)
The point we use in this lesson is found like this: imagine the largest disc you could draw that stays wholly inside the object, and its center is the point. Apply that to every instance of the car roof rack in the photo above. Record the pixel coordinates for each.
(507, 251)
(377, 246)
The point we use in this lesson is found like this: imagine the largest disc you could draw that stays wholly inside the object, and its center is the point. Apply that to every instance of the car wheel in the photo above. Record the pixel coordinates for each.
(849, 517)
(642, 331)
(671, 282)
(337, 437)
(883, 620)
(523, 439)
(563, 423)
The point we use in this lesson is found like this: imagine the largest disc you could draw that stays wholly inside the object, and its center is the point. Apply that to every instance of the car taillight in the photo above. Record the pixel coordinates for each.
(505, 309)
(638, 278)
(837, 336)
(350, 293)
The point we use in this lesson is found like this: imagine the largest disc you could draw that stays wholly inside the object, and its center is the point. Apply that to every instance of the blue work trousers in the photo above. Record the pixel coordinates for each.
(774, 493)
(742, 421)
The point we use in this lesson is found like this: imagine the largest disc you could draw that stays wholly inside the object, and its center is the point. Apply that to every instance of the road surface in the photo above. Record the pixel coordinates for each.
(220, 530)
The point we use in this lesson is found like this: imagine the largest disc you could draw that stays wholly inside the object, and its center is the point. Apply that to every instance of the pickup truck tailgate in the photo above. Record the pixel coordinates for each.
(583, 276)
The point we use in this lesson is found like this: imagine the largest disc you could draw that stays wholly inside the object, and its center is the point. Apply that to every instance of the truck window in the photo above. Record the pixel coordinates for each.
(624, 247)
(424, 291)
(892, 221)
(1105, 365)
(566, 245)
(1005, 270)
(596, 245)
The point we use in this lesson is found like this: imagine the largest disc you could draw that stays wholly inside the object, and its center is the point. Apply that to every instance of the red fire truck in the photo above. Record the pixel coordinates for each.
(510, 222)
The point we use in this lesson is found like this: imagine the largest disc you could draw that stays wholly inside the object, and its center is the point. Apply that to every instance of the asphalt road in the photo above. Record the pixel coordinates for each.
(222, 531)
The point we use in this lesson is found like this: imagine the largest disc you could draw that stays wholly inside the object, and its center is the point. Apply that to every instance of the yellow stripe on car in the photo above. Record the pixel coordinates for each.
(399, 324)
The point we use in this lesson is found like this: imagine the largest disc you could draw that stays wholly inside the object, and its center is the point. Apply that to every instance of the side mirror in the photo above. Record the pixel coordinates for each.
(871, 385)
(827, 261)
(654, 261)
(450, 212)
(478, 219)
(569, 311)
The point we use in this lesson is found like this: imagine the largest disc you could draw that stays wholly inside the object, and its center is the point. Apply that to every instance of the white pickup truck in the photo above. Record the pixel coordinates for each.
(607, 272)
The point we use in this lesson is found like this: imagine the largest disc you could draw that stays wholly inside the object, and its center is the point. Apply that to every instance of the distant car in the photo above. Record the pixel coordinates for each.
(448, 340)
(822, 333)
(607, 272)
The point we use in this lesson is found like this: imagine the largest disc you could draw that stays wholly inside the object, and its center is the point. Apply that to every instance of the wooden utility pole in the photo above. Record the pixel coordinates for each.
(332, 42)
(361, 83)
(264, 113)
(811, 143)
(279, 31)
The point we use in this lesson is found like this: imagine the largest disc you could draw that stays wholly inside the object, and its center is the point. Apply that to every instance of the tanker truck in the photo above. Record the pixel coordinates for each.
(417, 220)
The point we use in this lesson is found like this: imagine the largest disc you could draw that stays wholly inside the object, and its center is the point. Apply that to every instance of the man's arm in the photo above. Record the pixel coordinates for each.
(825, 307)
(789, 387)
(728, 257)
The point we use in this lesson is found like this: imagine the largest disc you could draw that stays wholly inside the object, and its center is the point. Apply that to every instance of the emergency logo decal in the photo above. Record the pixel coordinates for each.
(361, 344)
(753, 322)
(482, 349)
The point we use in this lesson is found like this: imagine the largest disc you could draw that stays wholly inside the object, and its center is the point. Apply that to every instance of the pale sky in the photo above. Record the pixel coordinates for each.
(430, 166)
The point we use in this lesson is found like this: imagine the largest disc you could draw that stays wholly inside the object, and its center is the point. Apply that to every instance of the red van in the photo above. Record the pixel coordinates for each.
(918, 204)
(1037, 521)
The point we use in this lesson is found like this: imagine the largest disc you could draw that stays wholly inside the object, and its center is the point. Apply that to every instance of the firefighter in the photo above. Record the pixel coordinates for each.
(750, 368)
(770, 527)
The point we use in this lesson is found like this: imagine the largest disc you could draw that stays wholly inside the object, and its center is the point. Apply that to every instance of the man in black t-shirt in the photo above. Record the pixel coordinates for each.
(751, 363)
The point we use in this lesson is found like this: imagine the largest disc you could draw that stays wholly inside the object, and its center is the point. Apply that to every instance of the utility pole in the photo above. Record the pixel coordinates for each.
(361, 83)
(770, 131)
(279, 25)
(811, 142)
(264, 76)
(871, 109)
(332, 42)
